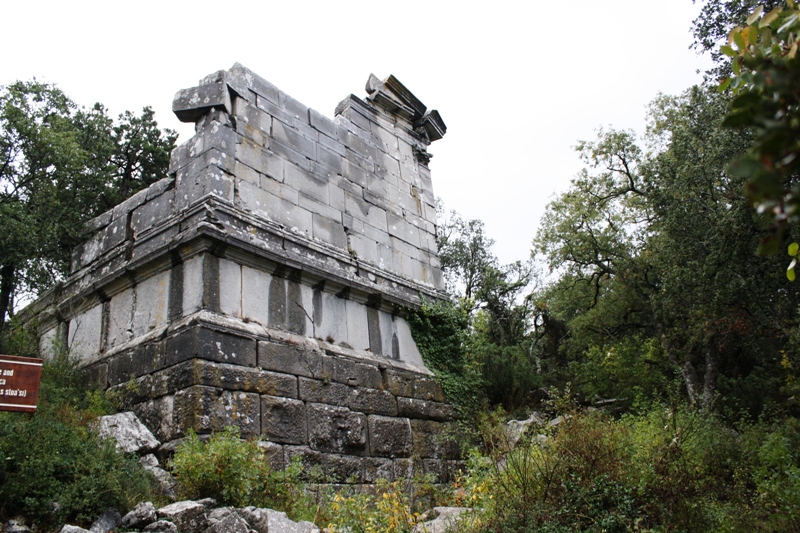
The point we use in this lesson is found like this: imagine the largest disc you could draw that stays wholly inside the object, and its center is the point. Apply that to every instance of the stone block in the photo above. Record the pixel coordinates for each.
(274, 453)
(330, 317)
(120, 318)
(192, 290)
(293, 139)
(130, 434)
(364, 248)
(191, 104)
(400, 228)
(318, 208)
(322, 123)
(300, 308)
(212, 345)
(373, 401)
(123, 209)
(324, 391)
(354, 173)
(84, 335)
(399, 383)
(153, 212)
(289, 359)
(209, 409)
(336, 429)
(435, 468)
(255, 294)
(114, 234)
(376, 469)
(329, 231)
(211, 181)
(389, 436)
(427, 438)
(283, 420)
(352, 373)
(414, 408)
(357, 330)
(151, 307)
(231, 295)
(343, 469)
(390, 346)
(159, 416)
(250, 114)
(293, 107)
(186, 515)
(306, 184)
(252, 155)
(409, 352)
(141, 360)
(240, 378)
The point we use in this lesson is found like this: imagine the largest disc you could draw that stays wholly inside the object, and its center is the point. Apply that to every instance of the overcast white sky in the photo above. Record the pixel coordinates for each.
(517, 83)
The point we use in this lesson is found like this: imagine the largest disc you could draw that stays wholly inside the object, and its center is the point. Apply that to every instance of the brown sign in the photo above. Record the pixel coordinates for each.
(19, 383)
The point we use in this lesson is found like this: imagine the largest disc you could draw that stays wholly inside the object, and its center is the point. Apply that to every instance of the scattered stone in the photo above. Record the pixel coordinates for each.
(17, 526)
(106, 522)
(229, 523)
(258, 519)
(73, 529)
(141, 516)
(186, 515)
(131, 435)
(166, 483)
(148, 460)
(517, 428)
(446, 520)
(208, 503)
(162, 526)
(280, 523)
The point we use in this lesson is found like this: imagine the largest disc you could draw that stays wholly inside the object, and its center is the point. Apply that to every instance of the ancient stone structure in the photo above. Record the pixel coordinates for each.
(264, 282)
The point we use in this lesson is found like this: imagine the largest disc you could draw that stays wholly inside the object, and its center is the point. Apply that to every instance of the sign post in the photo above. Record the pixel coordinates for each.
(19, 383)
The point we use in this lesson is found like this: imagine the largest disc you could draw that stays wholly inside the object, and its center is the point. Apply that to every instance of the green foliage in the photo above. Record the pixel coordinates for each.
(54, 467)
(62, 165)
(440, 331)
(236, 472)
(665, 468)
(767, 100)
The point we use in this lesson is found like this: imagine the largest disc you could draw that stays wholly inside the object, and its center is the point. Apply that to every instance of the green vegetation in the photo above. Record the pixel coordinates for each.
(62, 165)
(54, 467)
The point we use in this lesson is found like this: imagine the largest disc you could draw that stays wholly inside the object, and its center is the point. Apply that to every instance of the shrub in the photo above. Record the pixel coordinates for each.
(54, 468)
(236, 472)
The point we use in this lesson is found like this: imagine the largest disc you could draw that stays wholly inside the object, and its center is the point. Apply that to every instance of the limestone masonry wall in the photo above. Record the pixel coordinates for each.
(264, 282)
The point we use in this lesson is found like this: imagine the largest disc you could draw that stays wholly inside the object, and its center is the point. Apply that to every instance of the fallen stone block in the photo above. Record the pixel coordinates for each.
(131, 435)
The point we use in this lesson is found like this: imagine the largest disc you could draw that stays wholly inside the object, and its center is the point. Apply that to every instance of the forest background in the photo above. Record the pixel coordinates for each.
(656, 313)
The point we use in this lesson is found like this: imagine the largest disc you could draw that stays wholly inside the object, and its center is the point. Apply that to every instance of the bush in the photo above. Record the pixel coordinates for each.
(54, 468)
(236, 472)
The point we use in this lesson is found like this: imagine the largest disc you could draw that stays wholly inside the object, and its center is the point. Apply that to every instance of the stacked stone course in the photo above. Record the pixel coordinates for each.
(264, 282)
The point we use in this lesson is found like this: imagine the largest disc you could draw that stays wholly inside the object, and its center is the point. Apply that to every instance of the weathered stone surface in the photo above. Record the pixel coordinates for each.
(131, 435)
(186, 515)
(329, 392)
(336, 429)
(389, 437)
(373, 401)
(205, 409)
(447, 519)
(349, 372)
(413, 408)
(106, 522)
(284, 420)
(211, 344)
(162, 526)
(141, 515)
(377, 468)
(191, 104)
(16, 526)
(280, 523)
(227, 521)
(290, 359)
(73, 529)
(256, 518)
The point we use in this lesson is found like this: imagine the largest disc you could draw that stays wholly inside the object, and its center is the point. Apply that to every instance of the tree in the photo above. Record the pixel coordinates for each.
(59, 166)
(660, 244)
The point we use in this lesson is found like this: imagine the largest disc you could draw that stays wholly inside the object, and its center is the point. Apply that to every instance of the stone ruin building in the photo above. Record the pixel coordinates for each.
(264, 282)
